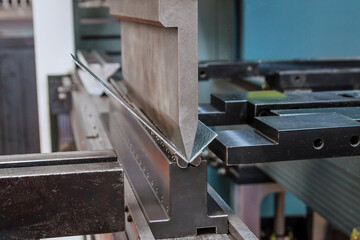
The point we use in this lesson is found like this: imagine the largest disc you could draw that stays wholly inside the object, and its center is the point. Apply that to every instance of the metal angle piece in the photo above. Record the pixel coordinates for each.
(203, 137)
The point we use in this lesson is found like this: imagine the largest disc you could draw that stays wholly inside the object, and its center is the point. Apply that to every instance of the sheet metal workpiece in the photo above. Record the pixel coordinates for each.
(60, 194)
(159, 50)
(174, 200)
(203, 134)
(272, 136)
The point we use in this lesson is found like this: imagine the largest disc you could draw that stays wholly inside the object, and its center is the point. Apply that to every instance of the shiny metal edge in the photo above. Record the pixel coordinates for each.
(204, 135)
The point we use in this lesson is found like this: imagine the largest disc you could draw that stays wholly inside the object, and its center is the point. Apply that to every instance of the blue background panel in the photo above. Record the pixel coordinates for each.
(286, 29)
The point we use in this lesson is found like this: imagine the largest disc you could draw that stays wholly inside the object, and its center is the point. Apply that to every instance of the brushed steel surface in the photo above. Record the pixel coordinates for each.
(159, 49)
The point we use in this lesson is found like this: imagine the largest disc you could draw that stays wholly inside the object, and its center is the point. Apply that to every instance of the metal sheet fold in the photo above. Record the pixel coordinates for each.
(204, 135)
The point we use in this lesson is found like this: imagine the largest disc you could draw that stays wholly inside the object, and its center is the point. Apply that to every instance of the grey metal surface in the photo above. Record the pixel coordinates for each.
(242, 107)
(315, 79)
(159, 57)
(329, 186)
(57, 158)
(136, 225)
(283, 126)
(238, 230)
(85, 118)
(238, 69)
(225, 69)
(158, 182)
(19, 126)
(61, 194)
(291, 137)
(350, 112)
(87, 127)
(315, 74)
(203, 136)
(241, 174)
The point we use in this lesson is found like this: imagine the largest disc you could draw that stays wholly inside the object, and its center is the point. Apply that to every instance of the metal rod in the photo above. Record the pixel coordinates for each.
(279, 223)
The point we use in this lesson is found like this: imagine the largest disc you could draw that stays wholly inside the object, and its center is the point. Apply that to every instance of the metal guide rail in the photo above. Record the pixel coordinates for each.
(283, 127)
(317, 74)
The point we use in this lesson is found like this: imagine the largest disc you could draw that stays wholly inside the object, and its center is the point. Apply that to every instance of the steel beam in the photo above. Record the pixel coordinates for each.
(60, 194)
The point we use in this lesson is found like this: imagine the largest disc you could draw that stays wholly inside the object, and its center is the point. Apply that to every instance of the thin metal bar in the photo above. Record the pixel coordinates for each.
(279, 226)
(60, 158)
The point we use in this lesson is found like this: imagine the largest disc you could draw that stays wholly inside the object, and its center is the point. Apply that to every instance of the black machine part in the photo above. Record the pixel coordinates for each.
(313, 74)
(283, 127)
(61, 194)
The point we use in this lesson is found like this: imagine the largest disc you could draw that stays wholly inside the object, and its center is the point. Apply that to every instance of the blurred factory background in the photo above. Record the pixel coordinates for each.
(37, 36)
